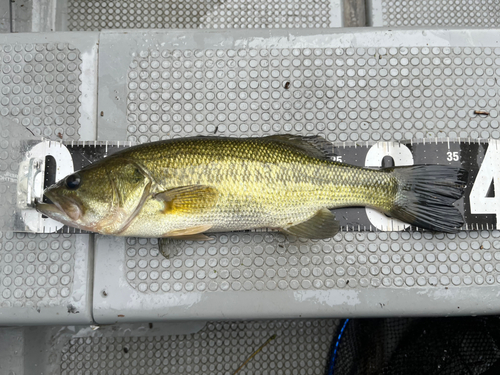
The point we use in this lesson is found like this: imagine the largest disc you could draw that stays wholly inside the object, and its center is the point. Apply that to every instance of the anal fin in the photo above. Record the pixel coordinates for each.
(194, 237)
(322, 225)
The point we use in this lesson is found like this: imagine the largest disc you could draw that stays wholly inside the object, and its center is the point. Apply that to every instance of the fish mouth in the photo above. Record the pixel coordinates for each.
(64, 209)
(48, 209)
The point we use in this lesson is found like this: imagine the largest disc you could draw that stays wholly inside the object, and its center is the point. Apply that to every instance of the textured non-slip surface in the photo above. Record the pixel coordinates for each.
(300, 347)
(459, 13)
(41, 87)
(243, 262)
(35, 270)
(344, 93)
(199, 14)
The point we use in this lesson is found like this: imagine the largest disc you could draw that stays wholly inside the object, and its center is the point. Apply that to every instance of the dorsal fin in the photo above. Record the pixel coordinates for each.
(315, 145)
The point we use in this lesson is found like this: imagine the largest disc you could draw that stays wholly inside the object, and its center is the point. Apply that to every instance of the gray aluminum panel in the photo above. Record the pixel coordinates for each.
(461, 13)
(5, 17)
(45, 279)
(21, 16)
(207, 14)
(364, 85)
(40, 16)
(48, 84)
(300, 347)
(174, 348)
(347, 86)
(354, 13)
(74, 15)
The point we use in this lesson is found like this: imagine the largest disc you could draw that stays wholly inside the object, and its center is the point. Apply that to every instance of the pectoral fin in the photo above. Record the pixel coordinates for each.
(188, 199)
(322, 225)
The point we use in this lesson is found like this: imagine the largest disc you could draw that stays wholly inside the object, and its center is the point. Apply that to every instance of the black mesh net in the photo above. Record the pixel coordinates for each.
(418, 346)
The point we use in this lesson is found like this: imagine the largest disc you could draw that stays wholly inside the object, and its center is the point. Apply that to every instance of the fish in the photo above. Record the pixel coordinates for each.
(187, 188)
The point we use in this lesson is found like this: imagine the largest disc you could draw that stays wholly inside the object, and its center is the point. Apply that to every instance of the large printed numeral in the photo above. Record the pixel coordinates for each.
(32, 218)
(401, 156)
(483, 197)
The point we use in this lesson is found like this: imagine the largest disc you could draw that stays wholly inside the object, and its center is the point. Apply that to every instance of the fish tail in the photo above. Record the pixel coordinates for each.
(426, 194)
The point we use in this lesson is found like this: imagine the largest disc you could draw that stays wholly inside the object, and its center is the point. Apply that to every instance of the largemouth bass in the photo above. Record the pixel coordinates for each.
(185, 188)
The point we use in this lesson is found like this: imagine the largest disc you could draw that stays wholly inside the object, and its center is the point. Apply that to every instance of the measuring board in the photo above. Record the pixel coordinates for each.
(479, 206)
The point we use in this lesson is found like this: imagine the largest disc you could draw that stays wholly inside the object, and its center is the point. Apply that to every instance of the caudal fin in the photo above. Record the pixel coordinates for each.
(426, 195)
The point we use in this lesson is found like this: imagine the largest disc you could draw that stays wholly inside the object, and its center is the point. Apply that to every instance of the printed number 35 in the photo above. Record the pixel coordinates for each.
(452, 156)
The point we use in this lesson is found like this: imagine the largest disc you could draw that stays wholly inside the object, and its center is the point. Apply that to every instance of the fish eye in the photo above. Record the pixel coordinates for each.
(73, 181)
